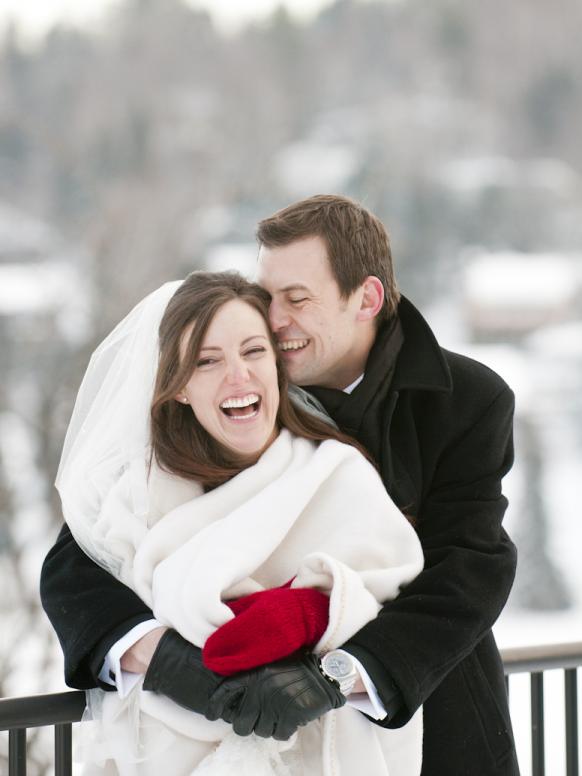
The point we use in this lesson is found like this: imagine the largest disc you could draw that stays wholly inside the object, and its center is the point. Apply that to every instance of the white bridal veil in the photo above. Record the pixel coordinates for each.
(108, 435)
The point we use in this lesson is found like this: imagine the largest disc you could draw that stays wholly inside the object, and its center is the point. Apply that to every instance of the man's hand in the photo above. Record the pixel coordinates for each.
(276, 699)
(138, 657)
(176, 670)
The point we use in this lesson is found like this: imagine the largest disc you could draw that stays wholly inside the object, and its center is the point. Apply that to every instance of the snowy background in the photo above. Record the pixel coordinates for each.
(142, 144)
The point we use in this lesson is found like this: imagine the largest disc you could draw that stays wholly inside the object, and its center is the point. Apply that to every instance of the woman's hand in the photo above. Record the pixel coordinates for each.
(268, 626)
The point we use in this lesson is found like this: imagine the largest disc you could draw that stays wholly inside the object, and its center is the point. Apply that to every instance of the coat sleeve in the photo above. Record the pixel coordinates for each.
(438, 619)
(88, 608)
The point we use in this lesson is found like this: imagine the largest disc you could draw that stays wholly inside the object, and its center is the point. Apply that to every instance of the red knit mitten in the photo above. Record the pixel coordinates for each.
(268, 626)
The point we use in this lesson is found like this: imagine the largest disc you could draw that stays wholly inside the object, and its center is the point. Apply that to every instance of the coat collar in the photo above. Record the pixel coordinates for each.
(421, 363)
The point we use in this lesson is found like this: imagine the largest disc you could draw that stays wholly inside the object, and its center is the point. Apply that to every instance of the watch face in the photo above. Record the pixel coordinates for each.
(338, 665)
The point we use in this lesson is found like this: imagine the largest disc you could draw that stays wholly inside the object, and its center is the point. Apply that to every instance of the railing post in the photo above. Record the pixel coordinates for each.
(17, 752)
(537, 724)
(63, 750)
(571, 696)
(58, 709)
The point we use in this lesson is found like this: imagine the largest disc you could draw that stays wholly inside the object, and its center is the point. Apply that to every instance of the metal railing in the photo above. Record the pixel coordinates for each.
(58, 709)
(62, 709)
(536, 660)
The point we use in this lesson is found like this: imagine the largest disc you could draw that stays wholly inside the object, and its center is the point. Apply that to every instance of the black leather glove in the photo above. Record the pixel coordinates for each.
(274, 700)
(176, 670)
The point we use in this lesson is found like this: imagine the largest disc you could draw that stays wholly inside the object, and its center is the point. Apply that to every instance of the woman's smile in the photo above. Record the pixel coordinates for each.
(241, 408)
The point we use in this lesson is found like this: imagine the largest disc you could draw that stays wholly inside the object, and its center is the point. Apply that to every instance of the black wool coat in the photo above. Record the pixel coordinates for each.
(441, 433)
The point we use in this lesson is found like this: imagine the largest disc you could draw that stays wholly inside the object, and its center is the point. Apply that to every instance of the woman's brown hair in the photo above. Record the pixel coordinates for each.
(180, 444)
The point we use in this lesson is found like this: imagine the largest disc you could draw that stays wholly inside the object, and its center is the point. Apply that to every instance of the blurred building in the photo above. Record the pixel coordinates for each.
(507, 295)
(43, 296)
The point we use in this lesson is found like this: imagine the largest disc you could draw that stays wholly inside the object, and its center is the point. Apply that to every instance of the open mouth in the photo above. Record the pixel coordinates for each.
(241, 408)
(293, 345)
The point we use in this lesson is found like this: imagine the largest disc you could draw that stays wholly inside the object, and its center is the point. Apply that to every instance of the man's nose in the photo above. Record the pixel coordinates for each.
(278, 318)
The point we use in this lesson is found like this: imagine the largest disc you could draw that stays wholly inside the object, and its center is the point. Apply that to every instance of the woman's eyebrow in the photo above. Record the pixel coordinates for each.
(244, 342)
(254, 336)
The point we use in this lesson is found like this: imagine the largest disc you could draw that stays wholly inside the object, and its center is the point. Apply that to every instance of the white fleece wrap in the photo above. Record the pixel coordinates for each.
(320, 514)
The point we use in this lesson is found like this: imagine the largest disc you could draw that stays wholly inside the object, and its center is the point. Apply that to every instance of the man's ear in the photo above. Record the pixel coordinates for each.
(372, 299)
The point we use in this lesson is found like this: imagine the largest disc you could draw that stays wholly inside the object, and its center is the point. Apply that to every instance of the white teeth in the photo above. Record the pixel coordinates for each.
(240, 401)
(293, 344)
(244, 417)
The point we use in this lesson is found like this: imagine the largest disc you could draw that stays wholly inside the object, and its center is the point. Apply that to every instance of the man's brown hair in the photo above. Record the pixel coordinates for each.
(356, 240)
(179, 443)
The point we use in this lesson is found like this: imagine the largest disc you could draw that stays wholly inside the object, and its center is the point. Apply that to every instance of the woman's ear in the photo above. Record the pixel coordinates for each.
(181, 398)
(372, 299)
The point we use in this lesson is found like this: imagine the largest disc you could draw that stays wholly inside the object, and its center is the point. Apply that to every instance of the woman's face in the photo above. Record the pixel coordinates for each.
(233, 390)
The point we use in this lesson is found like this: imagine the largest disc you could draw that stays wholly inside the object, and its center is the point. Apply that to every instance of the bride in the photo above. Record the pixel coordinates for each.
(252, 528)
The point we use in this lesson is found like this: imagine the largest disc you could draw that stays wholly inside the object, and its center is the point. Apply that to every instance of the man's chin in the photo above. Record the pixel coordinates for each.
(302, 378)
(300, 369)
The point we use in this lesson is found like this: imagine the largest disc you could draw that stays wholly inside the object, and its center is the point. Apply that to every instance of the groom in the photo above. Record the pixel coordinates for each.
(439, 427)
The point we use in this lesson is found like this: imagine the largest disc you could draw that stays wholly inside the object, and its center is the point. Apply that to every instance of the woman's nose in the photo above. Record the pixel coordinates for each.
(237, 372)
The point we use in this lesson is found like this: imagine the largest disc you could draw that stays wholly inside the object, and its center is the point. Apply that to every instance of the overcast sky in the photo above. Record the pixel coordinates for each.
(35, 16)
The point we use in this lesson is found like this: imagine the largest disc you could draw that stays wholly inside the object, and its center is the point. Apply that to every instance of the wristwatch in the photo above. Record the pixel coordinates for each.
(339, 666)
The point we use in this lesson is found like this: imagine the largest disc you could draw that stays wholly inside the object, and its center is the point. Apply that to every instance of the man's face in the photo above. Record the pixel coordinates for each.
(317, 330)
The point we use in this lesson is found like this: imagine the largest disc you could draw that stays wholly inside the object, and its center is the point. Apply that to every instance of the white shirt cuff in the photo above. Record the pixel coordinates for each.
(111, 671)
(369, 702)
